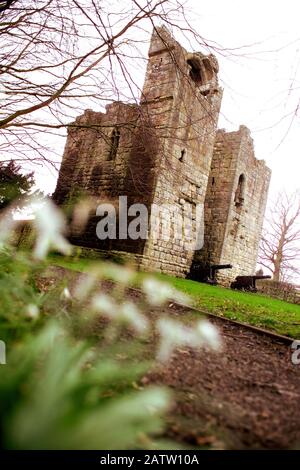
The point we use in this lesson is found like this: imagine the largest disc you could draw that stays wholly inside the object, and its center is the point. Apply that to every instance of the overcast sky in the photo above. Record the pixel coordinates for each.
(262, 86)
(261, 82)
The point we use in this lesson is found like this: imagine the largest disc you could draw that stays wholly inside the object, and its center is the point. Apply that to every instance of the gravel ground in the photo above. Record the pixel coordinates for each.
(247, 396)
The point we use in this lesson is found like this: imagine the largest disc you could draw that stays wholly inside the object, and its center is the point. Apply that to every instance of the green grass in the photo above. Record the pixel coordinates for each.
(255, 309)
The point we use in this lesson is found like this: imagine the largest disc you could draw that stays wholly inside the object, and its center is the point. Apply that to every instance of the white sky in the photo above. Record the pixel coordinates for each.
(261, 83)
(262, 88)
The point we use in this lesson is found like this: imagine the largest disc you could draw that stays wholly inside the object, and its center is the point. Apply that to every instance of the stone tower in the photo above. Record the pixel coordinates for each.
(156, 153)
(234, 205)
(165, 153)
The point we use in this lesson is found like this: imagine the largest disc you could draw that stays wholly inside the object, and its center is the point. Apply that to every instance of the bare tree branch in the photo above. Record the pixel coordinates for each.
(280, 243)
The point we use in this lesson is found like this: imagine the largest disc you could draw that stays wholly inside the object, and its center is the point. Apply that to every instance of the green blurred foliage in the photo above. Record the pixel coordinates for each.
(63, 388)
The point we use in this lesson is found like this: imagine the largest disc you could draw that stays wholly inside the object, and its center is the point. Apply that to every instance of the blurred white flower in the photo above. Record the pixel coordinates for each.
(209, 334)
(153, 401)
(50, 225)
(130, 314)
(32, 311)
(102, 271)
(127, 312)
(117, 273)
(81, 214)
(84, 285)
(66, 294)
(174, 334)
(104, 304)
(158, 293)
(180, 298)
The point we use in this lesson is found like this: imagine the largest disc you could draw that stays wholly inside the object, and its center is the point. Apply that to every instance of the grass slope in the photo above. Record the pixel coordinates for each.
(255, 309)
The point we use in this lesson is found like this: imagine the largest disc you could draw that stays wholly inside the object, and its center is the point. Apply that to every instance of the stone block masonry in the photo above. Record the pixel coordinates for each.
(234, 205)
(166, 151)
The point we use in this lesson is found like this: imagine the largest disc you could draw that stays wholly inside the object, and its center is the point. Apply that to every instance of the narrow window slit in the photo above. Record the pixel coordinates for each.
(114, 144)
(182, 155)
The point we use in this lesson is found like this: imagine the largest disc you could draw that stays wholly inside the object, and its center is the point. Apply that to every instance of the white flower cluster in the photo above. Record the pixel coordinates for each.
(49, 223)
(126, 312)
(50, 226)
(122, 275)
(157, 293)
(173, 335)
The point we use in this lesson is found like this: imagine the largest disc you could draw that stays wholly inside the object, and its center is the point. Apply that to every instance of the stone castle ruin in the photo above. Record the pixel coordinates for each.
(167, 150)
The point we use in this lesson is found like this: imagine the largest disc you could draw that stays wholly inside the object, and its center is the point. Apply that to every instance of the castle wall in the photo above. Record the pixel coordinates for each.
(235, 205)
(185, 112)
(87, 165)
(108, 155)
(165, 153)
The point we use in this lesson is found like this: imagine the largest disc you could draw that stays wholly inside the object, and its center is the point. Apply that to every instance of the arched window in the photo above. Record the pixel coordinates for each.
(202, 68)
(196, 73)
(240, 191)
(114, 144)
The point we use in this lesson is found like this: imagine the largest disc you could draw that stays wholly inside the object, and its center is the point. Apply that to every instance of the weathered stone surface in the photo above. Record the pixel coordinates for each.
(235, 204)
(165, 151)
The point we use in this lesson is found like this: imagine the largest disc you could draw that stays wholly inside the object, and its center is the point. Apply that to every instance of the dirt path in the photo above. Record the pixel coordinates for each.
(247, 396)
